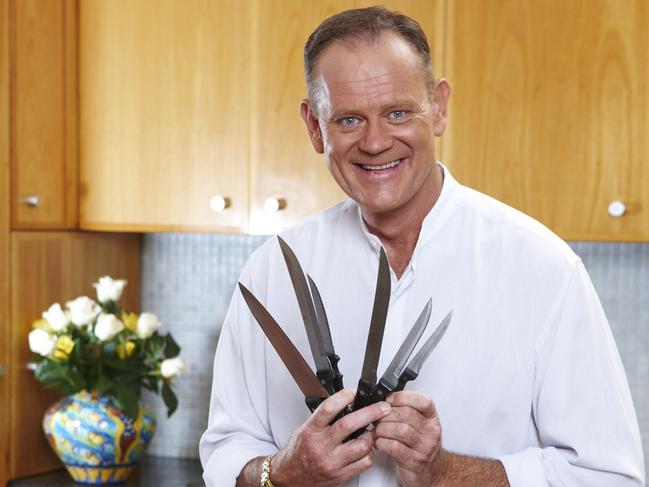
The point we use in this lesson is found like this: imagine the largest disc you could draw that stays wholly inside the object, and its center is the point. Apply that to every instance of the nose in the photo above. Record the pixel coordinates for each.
(376, 138)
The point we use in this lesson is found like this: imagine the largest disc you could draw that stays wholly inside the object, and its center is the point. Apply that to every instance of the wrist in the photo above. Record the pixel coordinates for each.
(441, 466)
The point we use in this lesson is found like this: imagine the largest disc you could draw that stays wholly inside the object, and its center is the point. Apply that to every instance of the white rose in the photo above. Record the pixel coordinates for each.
(147, 323)
(56, 317)
(41, 342)
(107, 327)
(82, 310)
(172, 367)
(109, 289)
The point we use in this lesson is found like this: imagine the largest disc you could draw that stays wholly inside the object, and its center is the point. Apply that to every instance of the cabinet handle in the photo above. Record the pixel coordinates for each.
(31, 200)
(2, 371)
(219, 203)
(274, 204)
(616, 209)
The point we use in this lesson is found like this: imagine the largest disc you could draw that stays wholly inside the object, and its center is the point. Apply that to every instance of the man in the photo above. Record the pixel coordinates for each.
(527, 384)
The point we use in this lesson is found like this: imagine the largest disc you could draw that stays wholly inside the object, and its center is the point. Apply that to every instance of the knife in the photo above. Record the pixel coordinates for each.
(309, 384)
(326, 370)
(398, 374)
(367, 382)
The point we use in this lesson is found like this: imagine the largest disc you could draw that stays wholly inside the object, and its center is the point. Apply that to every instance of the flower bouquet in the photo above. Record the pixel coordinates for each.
(100, 355)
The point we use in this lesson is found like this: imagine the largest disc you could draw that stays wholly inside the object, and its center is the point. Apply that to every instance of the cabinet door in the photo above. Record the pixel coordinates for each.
(549, 108)
(164, 114)
(284, 165)
(47, 268)
(43, 114)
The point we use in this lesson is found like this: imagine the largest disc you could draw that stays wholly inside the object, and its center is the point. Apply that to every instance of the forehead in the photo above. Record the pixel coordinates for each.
(362, 72)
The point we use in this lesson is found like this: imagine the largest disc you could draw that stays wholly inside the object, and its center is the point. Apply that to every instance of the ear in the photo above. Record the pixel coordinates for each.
(441, 94)
(313, 125)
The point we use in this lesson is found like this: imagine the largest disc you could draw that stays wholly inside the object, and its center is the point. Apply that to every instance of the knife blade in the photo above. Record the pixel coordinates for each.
(367, 382)
(414, 366)
(325, 334)
(302, 374)
(324, 370)
(390, 377)
(411, 371)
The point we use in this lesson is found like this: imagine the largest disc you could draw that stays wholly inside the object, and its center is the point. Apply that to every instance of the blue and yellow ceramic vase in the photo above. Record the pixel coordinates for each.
(96, 441)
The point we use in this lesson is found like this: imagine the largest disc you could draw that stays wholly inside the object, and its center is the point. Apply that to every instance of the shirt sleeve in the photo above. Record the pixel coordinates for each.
(587, 428)
(238, 429)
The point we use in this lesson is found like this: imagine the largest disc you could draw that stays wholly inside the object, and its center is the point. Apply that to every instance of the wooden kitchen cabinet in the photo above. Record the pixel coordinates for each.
(549, 110)
(50, 267)
(164, 114)
(43, 98)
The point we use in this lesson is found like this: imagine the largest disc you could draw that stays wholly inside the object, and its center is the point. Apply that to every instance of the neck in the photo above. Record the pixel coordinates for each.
(399, 228)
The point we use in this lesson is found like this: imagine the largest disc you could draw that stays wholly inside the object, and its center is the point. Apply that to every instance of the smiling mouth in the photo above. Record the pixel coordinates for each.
(388, 165)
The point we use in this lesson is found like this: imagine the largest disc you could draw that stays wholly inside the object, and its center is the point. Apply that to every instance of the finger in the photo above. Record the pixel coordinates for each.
(353, 450)
(409, 415)
(359, 419)
(330, 407)
(401, 432)
(354, 469)
(414, 399)
(403, 456)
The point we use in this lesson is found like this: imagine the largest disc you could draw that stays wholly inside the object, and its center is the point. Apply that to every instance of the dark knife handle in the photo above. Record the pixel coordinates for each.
(325, 377)
(363, 394)
(313, 402)
(337, 378)
(380, 391)
(406, 376)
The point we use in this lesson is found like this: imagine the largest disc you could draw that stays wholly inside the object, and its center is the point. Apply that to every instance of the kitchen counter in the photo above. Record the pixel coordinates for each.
(152, 471)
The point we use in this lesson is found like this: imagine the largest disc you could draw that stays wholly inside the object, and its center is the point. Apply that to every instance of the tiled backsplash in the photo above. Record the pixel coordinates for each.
(188, 280)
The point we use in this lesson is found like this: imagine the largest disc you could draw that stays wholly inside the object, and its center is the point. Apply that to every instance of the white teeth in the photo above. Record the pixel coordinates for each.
(383, 166)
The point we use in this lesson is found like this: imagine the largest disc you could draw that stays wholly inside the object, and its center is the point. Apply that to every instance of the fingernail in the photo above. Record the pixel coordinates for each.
(385, 407)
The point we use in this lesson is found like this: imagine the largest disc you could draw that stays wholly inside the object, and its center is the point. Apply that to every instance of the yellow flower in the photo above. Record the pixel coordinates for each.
(125, 349)
(42, 324)
(65, 343)
(64, 346)
(129, 320)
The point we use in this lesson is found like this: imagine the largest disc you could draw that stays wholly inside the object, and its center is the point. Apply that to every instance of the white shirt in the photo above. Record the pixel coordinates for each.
(528, 371)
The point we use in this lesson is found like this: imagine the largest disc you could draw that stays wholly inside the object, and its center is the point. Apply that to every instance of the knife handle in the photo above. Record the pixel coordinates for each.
(337, 379)
(363, 394)
(313, 402)
(380, 392)
(406, 376)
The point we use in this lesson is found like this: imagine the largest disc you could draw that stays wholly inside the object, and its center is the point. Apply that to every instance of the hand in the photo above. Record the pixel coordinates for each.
(412, 435)
(316, 454)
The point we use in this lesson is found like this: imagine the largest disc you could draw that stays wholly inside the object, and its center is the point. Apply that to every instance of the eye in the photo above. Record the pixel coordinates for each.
(397, 114)
(347, 122)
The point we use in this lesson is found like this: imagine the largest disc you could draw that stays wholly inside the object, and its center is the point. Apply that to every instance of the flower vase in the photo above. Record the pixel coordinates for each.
(95, 440)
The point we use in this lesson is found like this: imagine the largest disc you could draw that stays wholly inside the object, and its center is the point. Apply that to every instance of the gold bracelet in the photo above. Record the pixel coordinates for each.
(265, 472)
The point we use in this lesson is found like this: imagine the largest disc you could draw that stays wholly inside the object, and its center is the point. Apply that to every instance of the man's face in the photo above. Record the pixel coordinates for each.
(375, 121)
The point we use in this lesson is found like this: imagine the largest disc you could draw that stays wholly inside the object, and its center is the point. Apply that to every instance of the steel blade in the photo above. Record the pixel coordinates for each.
(377, 322)
(392, 373)
(323, 323)
(305, 303)
(420, 357)
(293, 360)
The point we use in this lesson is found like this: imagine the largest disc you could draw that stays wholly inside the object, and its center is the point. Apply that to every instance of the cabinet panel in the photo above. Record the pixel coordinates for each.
(164, 109)
(549, 110)
(43, 113)
(47, 268)
(4, 241)
(284, 163)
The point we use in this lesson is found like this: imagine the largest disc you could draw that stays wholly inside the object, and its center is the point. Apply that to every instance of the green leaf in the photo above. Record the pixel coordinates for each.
(154, 348)
(169, 398)
(128, 398)
(171, 349)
